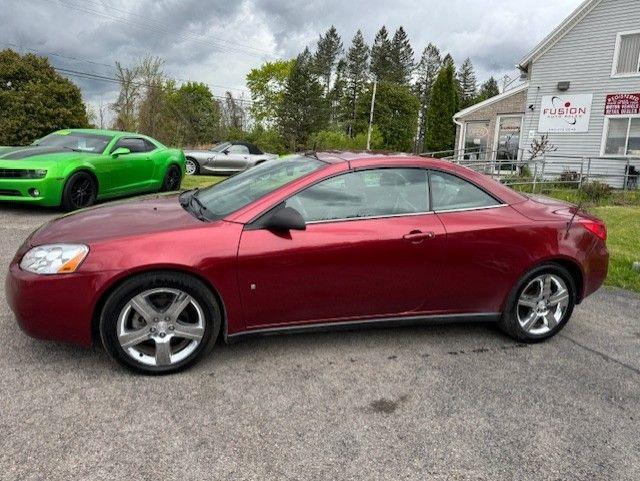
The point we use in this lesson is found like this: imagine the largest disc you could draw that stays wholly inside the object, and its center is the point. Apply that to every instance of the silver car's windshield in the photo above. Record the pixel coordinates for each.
(240, 190)
(221, 147)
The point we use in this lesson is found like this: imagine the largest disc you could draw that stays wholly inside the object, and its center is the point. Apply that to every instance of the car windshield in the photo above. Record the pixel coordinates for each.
(83, 142)
(221, 147)
(226, 197)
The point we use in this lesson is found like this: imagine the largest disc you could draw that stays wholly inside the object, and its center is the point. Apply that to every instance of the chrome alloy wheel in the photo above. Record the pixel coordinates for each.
(190, 167)
(542, 304)
(160, 327)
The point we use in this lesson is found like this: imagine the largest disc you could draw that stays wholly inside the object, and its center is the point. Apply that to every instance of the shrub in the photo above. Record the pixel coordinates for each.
(596, 191)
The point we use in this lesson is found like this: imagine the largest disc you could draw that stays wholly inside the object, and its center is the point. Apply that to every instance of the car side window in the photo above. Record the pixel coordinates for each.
(365, 193)
(135, 145)
(449, 192)
(238, 149)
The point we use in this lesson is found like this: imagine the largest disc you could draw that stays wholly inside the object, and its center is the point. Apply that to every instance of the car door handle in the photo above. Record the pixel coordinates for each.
(417, 236)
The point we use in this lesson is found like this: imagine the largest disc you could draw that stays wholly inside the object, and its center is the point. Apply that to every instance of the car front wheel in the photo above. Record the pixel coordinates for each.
(159, 323)
(540, 305)
(79, 191)
(172, 179)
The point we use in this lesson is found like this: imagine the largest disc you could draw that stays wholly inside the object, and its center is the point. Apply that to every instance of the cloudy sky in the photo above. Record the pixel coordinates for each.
(219, 41)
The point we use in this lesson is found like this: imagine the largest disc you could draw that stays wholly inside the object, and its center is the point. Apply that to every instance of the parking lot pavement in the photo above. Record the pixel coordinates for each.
(436, 402)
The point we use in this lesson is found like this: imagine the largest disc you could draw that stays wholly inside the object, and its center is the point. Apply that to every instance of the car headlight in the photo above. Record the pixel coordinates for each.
(54, 258)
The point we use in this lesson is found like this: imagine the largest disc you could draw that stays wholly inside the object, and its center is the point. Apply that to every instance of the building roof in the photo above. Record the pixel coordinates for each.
(560, 31)
(520, 88)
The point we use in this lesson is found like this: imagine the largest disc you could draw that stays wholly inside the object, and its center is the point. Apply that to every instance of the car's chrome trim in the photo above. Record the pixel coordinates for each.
(379, 322)
(444, 211)
(347, 219)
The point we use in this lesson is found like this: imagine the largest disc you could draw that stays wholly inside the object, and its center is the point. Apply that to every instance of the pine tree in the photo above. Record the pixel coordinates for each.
(401, 58)
(448, 60)
(488, 89)
(303, 109)
(381, 56)
(427, 70)
(338, 92)
(441, 131)
(468, 84)
(356, 77)
(328, 50)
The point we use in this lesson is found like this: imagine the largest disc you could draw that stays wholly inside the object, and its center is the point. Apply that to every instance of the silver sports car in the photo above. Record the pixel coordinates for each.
(225, 158)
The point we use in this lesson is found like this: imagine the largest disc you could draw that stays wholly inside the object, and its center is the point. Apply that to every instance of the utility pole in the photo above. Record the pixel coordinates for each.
(373, 103)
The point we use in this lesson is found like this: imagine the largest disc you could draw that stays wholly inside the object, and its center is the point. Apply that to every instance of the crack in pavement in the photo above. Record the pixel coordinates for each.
(604, 356)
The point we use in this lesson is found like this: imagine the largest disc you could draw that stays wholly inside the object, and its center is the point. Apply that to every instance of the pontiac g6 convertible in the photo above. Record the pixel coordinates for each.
(75, 168)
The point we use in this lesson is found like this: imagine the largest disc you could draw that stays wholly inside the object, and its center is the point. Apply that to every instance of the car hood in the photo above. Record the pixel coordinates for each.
(33, 155)
(144, 215)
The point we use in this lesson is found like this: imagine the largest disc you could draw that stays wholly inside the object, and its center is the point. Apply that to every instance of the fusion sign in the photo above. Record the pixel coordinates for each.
(565, 114)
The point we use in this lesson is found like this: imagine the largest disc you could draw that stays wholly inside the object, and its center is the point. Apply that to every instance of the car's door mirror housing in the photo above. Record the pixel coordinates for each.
(120, 151)
(284, 219)
(225, 151)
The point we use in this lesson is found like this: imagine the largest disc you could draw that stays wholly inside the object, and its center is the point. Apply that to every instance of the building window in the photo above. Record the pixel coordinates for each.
(623, 137)
(476, 139)
(627, 56)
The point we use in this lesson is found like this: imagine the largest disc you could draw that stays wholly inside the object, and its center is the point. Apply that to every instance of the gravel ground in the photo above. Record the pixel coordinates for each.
(437, 402)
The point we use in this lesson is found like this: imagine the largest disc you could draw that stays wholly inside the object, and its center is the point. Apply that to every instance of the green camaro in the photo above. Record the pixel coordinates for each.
(75, 168)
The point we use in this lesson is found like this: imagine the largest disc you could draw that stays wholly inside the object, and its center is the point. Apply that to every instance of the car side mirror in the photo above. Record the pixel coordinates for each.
(120, 151)
(285, 219)
(225, 151)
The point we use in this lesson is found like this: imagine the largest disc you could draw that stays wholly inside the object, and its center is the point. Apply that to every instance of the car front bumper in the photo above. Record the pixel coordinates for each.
(21, 190)
(54, 307)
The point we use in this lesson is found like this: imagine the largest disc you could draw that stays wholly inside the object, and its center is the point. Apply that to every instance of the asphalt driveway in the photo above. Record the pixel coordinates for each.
(437, 402)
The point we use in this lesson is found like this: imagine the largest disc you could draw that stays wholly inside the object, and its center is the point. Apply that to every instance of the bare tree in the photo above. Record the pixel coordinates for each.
(126, 104)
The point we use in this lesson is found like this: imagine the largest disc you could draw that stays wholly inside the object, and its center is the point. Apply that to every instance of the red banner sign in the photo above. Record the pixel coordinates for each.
(622, 104)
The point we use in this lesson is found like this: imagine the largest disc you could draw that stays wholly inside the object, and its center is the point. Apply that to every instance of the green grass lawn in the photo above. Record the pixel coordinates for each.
(623, 242)
(623, 224)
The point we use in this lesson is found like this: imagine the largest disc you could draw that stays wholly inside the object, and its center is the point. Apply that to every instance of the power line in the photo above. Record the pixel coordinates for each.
(163, 28)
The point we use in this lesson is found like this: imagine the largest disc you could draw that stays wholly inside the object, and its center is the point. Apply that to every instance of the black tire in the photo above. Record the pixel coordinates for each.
(124, 293)
(172, 179)
(509, 321)
(80, 191)
(196, 166)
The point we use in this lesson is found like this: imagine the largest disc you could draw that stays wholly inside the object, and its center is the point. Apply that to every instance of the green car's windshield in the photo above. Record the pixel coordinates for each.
(82, 142)
(226, 197)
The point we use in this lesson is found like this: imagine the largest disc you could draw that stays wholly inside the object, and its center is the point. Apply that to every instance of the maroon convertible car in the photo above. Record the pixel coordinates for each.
(305, 242)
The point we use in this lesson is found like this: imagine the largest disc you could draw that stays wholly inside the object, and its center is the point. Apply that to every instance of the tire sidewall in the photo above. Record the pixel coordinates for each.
(132, 287)
(509, 319)
(67, 204)
(165, 182)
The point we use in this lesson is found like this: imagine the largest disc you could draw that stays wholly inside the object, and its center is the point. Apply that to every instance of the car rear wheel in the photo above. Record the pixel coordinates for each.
(159, 323)
(191, 167)
(172, 179)
(540, 305)
(80, 191)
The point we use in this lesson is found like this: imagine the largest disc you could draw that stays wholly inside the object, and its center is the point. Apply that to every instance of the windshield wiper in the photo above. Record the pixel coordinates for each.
(195, 205)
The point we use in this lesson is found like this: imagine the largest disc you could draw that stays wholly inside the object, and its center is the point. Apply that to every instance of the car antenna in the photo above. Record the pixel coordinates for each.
(575, 212)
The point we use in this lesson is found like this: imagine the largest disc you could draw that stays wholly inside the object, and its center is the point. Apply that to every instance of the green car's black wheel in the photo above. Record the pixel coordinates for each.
(79, 192)
(172, 179)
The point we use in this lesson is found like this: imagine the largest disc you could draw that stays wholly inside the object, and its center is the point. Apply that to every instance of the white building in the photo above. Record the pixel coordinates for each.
(584, 86)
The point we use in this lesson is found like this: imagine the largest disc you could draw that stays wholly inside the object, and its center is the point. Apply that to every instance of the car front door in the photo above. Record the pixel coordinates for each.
(371, 249)
(134, 171)
(233, 159)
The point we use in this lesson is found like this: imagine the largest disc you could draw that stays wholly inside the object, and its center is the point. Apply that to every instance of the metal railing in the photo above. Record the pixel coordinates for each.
(557, 170)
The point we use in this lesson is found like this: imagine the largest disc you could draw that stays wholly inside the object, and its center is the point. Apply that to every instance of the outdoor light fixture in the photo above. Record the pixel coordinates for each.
(563, 86)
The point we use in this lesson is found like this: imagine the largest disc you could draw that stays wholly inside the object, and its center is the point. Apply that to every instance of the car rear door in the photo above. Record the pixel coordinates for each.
(371, 248)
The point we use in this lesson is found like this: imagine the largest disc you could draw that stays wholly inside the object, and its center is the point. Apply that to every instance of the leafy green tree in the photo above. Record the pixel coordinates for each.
(328, 50)
(196, 114)
(266, 85)
(303, 109)
(441, 130)
(468, 84)
(268, 139)
(356, 77)
(381, 68)
(395, 114)
(35, 100)
(427, 70)
(488, 89)
(401, 56)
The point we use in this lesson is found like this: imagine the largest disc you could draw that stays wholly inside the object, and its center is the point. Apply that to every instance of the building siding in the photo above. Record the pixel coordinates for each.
(584, 57)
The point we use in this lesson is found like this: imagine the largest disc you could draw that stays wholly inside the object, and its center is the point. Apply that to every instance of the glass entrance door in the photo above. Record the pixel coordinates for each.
(476, 138)
(508, 139)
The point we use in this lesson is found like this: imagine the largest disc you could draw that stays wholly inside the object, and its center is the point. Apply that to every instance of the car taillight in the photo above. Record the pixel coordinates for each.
(596, 227)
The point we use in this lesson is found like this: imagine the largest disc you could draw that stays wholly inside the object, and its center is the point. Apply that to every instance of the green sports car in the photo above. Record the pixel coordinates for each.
(75, 168)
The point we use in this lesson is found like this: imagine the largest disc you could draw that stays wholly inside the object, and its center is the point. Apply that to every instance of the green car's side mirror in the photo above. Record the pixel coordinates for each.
(120, 151)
